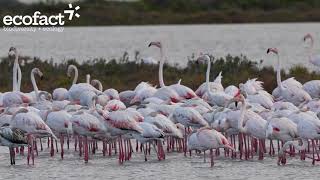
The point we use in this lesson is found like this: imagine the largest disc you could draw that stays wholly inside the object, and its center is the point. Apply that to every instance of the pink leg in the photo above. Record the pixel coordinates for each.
(86, 150)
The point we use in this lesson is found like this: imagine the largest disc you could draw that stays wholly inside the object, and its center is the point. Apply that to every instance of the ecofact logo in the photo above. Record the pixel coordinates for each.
(40, 22)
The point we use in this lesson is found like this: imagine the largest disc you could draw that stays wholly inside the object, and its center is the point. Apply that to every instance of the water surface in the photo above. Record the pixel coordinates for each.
(180, 41)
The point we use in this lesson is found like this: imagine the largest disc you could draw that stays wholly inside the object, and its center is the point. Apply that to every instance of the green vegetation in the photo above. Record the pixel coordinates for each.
(101, 12)
(123, 75)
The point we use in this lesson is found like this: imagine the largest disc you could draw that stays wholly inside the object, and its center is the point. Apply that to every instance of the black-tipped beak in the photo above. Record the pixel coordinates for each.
(268, 51)
(150, 45)
(236, 103)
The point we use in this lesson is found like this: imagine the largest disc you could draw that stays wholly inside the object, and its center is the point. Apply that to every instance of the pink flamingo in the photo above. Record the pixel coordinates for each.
(208, 139)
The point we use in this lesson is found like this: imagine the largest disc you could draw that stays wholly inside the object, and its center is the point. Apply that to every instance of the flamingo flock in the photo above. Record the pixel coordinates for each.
(239, 122)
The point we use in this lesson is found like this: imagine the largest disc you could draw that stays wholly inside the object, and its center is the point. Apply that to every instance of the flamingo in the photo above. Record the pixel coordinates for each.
(33, 125)
(188, 117)
(213, 86)
(120, 123)
(61, 125)
(15, 97)
(165, 92)
(150, 134)
(76, 90)
(62, 93)
(289, 93)
(308, 129)
(12, 137)
(315, 60)
(86, 125)
(256, 94)
(208, 139)
(219, 98)
(253, 126)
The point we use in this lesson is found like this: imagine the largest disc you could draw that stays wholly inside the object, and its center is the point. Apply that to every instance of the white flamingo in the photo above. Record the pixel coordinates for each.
(213, 86)
(219, 98)
(33, 125)
(167, 92)
(208, 139)
(308, 129)
(292, 93)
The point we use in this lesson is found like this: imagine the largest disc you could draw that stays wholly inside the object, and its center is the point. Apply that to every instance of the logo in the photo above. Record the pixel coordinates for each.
(37, 20)
(70, 11)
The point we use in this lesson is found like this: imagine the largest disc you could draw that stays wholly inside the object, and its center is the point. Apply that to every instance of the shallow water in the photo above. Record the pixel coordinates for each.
(180, 41)
(176, 166)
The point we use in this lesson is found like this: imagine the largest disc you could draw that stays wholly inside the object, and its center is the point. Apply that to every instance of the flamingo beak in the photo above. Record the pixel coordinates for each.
(268, 51)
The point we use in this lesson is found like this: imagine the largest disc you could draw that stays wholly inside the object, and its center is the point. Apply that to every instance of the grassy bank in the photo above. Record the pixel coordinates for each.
(140, 12)
(123, 75)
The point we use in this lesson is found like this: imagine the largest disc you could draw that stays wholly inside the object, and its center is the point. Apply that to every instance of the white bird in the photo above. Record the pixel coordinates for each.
(208, 139)
(292, 94)
(213, 86)
(314, 59)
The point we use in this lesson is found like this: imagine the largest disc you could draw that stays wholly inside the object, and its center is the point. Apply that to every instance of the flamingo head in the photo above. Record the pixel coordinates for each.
(238, 97)
(307, 36)
(203, 58)
(12, 52)
(70, 69)
(38, 72)
(226, 143)
(155, 43)
(273, 50)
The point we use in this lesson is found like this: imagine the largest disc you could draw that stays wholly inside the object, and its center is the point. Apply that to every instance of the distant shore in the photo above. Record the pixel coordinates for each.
(122, 74)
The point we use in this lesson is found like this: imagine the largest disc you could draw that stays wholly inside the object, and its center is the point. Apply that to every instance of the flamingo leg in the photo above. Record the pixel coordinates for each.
(313, 152)
(211, 157)
(61, 145)
(52, 148)
(86, 150)
(41, 147)
(68, 142)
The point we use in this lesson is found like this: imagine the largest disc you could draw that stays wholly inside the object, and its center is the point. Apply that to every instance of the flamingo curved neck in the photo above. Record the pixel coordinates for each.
(279, 83)
(34, 84)
(242, 113)
(76, 73)
(161, 69)
(100, 86)
(97, 82)
(208, 74)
